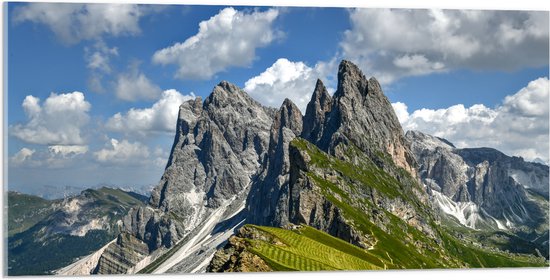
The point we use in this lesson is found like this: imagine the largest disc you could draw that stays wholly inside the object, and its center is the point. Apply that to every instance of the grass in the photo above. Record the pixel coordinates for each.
(24, 211)
(308, 249)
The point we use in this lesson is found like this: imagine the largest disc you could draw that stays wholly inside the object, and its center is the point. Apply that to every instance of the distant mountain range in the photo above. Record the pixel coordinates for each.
(44, 235)
(251, 188)
(56, 192)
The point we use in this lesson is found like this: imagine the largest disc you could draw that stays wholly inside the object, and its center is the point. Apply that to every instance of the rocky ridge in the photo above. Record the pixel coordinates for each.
(219, 147)
(492, 188)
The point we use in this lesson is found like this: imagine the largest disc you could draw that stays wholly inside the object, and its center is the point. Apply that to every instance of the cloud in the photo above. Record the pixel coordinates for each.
(55, 156)
(134, 85)
(122, 152)
(285, 79)
(394, 43)
(72, 22)
(58, 121)
(98, 60)
(401, 110)
(22, 156)
(229, 38)
(68, 150)
(519, 126)
(160, 117)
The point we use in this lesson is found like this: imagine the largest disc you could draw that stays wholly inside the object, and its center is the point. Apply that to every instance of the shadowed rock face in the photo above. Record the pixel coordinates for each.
(314, 119)
(268, 198)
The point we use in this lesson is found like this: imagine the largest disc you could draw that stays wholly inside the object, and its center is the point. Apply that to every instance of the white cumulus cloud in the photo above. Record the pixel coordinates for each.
(58, 121)
(122, 152)
(98, 60)
(160, 117)
(22, 156)
(74, 22)
(229, 38)
(68, 150)
(394, 43)
(285, 79)
(519, 126)
(134, 85)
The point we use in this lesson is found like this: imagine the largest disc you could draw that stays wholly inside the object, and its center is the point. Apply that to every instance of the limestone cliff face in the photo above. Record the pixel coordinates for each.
(219, 146)
(120, 256)
(314, 119)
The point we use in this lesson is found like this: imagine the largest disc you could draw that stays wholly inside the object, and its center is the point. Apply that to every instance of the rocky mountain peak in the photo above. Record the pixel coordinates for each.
(420, 140)
(219, 146)
(362, 115)
(318, 106)
(188, 115)
(351, 81)
(227, 94)
(290, 116)
(492, 184)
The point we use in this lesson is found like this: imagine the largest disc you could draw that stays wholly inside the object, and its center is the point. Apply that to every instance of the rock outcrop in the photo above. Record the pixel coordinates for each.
(314, 119)
(122, 255)
(235, 256)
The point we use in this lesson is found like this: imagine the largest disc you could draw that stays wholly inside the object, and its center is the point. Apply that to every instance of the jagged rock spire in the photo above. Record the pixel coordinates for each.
(268, 198)
(360, 114)
(318, 106)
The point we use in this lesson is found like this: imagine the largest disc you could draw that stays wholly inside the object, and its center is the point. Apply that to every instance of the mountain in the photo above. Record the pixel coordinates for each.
(44, 235)
(352, 175)
(341, 180)
(483, 188)
(219, 148)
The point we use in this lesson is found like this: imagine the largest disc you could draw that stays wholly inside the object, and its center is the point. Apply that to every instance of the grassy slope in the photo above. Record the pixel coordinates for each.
(25, 210)
(308, 249)
(398, 243)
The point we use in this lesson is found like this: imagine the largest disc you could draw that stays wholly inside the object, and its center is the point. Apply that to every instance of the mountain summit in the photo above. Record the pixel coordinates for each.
(340, 179)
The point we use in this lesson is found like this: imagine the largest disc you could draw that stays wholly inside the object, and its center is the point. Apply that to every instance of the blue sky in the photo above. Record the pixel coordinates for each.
(93, 90)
